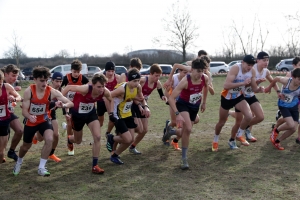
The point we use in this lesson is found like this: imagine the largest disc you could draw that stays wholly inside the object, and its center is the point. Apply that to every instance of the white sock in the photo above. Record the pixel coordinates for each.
(216, 138)
(42, 163)
(240, 132)
(20, 160)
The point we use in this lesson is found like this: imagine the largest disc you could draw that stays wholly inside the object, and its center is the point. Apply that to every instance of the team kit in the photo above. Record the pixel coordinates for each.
(124, 97)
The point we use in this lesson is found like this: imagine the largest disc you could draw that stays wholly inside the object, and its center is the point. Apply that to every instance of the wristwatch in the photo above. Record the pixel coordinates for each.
(177, 113)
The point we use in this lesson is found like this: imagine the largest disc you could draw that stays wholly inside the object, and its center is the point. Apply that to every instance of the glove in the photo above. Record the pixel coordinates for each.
(112, 118)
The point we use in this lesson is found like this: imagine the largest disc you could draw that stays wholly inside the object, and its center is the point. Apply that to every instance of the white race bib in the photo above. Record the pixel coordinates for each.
(288, 98)
(194, 98)
(127, 107)
(248, 91)
(37, 109)
(71, 95)
(85, 107)
(2, 111)
(235, 90)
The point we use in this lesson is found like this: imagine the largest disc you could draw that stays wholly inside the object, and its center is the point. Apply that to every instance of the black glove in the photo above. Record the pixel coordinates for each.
(112, 118)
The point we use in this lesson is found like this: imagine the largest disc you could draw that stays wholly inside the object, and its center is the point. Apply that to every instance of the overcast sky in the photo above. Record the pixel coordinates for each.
(102, 27)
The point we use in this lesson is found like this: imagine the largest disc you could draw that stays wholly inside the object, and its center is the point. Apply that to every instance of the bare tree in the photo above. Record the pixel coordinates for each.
(15, 51)
(292, 35)
(181, 29)
(63, 54)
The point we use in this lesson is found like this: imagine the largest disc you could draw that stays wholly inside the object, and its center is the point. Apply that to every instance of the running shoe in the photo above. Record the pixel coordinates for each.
(12, 154)
(110, 142)
(116, 160)
(184, 164)
(70, 148)
(34, 140)
(165, 129)
(134, 151)
(243, 141)
(64, 127)
(17, 169)
(168, 134)
(97, 170)
(273, 136)
(54, 158)
(297, 141)
(43, 172)
(278, 146)
(175, 145)
(249, 136)
(232, 144)
(215, 146)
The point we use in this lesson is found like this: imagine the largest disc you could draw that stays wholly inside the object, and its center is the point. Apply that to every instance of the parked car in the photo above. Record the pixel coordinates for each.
(145, 66)
(118, 70)
(93, 69)
(145, 71)
(28, 73)
(21, 76)
(65, 69)
(285, 65)
(166, 69)
(233, 63)
(218, 67)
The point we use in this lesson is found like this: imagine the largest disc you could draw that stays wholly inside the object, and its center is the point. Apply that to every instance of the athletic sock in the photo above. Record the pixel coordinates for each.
(231, 139)
(114, 155)
(20, 160)
(240, 132)
(95, 161)
(52, 152)
(184, 152)
(42, 163)
(216, 138)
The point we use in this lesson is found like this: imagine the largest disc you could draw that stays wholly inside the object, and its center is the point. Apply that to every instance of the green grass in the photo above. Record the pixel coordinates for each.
(255, 172)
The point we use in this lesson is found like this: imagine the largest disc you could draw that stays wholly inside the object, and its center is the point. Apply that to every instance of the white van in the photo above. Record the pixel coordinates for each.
(65, 69)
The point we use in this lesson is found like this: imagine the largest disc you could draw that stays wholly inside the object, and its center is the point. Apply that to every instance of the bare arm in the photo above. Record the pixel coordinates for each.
(176, 66)
(12, 92)
(107, 96)
(229, 84)
(83, 89)
(26, 104)
(270, 79)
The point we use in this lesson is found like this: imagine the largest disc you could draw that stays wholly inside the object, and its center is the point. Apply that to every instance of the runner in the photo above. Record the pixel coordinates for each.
(73, 78)
(84, 112)
(122, 117)
(103, 105)
(10, 76)
(239, 76)
(56, 83)
(148, 83)
(192, 91)
(288, 106)
(35, 109)
(8, 94)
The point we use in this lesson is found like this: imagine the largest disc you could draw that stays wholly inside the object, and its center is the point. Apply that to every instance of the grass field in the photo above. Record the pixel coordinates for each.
(255, 172)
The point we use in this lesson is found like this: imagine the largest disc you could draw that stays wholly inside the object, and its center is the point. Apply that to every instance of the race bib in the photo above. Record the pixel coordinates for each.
(194, 98)
(127, 107)
(235, 90)
(85, 107)
(71, 95)
(248, 91)
(2, 111)
(288, 98)
(37, 109)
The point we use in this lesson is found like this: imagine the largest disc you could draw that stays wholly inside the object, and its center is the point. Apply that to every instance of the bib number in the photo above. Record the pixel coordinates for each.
(288, 98)
(71, 95)
(2, 111)
(194, 98)
(248, 91)
(85, 107)
(127, 107)
(37, 109)
(235, 90)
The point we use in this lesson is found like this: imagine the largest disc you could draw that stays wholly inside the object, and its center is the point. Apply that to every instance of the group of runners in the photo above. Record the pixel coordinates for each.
(124, 97)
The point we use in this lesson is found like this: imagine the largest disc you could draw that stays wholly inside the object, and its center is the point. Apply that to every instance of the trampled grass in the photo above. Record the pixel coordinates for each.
(255, 172)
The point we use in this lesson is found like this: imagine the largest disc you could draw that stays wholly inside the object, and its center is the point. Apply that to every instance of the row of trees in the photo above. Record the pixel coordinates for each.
(183, 32)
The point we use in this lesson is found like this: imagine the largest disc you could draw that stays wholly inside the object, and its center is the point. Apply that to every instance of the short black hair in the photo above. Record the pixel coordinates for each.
(202, 52)
(41, 72)
(296, 60)
(199, 64)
